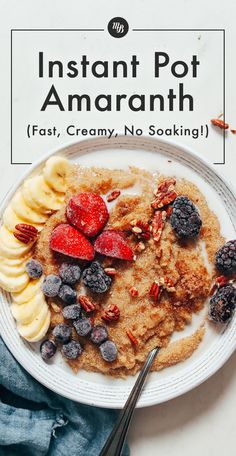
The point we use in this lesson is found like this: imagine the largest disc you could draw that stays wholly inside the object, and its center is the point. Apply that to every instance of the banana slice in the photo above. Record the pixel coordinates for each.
(25, 212)
(33, 329)
(12, 271)
(55, 173)
(43, 330)
(11, 219)
(13, 284)
(33, 288)
(39, 196)
(26, 313)
(7, 238)
(13, 262)
(20, 252)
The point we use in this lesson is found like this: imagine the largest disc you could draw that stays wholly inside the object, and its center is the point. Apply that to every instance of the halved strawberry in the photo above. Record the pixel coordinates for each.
(69, 241)
(111, 243)
(88, 213)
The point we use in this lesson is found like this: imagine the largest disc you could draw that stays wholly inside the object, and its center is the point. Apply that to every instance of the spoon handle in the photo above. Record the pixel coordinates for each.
(116, 440)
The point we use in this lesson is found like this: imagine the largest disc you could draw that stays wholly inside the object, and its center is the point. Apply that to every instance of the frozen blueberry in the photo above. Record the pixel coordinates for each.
(67, 294)
(51, 285)
(34, 269)
(62, 333)
(71, 312)
(70, 273)
(83, 326)
(99, 334)
(72, 350)
(47, 349)
(109, 351)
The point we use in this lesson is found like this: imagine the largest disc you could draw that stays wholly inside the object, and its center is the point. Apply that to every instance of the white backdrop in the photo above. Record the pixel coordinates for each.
(204, 419)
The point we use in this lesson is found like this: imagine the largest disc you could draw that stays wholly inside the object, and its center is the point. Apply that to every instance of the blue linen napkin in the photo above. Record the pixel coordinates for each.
(36, 422)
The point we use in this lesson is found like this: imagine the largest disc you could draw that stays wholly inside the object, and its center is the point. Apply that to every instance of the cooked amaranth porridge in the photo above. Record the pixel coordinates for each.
(175, 269)
(104, 265)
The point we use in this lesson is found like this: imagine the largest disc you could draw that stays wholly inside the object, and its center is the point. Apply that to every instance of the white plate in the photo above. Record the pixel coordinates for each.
(217, 346)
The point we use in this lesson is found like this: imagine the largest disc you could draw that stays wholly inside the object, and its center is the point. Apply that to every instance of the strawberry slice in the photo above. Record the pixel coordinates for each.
(88, 213)
(69, 241)
(113, 244)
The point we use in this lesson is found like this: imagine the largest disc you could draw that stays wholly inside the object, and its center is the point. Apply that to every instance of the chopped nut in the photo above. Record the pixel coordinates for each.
(136, 230)
(163, 200)
(140, 246)
(155, 291)
(113, 195)
(110, 271)
(158, 224)
(112, 313)
(86, 303)
(220, 123)
(132, 337)
(133, 291)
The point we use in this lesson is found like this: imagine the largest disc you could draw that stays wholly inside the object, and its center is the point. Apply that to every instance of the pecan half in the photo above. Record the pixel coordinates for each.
(110, 271)
(132, 337)
(220, 123)
(25, 233)
(113, 195)
(158, 224)
(112, 313)
(165, 186)
(86, 303)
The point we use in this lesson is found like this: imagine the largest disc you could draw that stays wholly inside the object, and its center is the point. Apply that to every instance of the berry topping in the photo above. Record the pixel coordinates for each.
(222, 304)
(70, 273)
(47, 349)
(96, 279)
(34, 269)
(69, 241)
(72, 350)
(99, 334)
(185, 219)
(51, 285)
(109, 351)
(83, 326)
(62, 333)
(88, 213)
(67, 294)
(113, 244)
(71, 312)
(226, 258)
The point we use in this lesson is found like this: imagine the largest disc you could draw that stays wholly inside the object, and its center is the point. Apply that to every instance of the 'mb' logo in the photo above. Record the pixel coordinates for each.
(118, 27)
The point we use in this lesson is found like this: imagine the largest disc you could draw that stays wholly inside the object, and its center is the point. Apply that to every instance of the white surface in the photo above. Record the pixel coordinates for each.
(202, 421)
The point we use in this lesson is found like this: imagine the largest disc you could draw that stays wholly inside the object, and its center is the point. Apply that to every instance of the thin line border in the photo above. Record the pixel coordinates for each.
(102, 30)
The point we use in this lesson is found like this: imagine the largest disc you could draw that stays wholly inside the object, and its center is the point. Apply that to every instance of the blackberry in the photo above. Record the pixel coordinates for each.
(51, 285)
(71, 312)
(83, 326)
(99, 334)
(222, 304)
(185, 219)
(226, 258)
(108, 351)
(34, 269)
(72, 350)
(96, 279)
(47, 349)
(70, 273)
(67, 294)
(62, 333)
